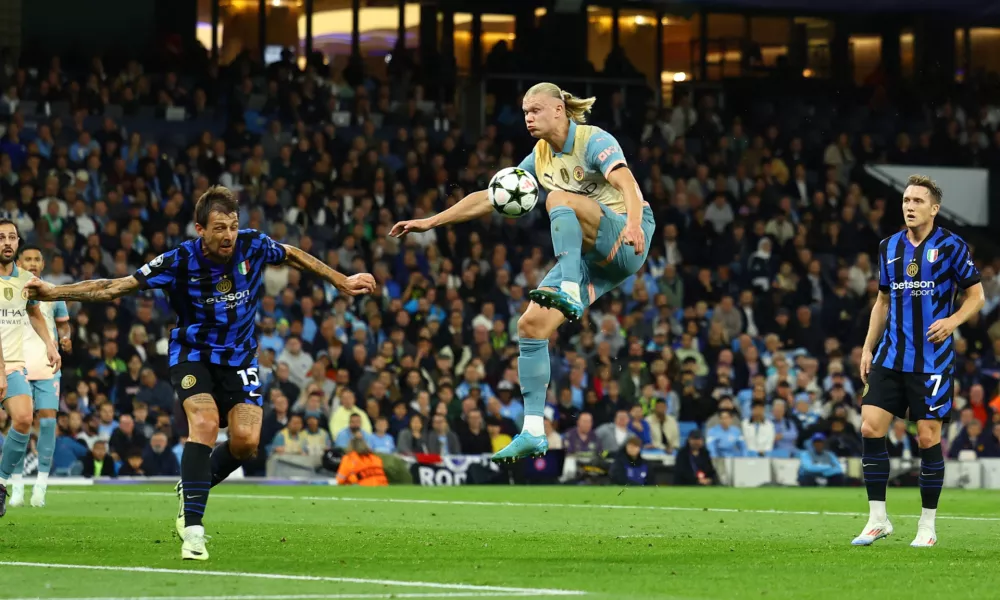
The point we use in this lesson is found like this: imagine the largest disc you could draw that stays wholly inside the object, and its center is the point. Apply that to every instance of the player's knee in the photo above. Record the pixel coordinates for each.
(926, 439)
(204, 423)
(531, 325)
(555, 199)
(22, 423)
(869, 430)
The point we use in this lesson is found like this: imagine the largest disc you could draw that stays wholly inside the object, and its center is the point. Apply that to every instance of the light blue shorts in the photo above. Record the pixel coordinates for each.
(609, 262)
(17, 384)
(45, 393)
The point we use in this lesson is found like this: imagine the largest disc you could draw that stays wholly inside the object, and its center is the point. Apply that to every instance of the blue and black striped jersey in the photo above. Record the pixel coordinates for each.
(922, 282)
(215, 303)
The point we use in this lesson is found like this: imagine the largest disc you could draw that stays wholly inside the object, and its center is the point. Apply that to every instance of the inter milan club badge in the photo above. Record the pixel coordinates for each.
(912, 269)
(224, 286)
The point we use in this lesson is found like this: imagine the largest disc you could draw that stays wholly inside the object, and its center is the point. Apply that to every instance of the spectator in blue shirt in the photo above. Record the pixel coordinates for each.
(725, 440)
(818, 466)
(81, 149)
(269, 338)
(107, 424)
(67, 455)
(639, 427)
(474, 379)
(381, 441)
(786, 431)
(509, 407)
(353, 430)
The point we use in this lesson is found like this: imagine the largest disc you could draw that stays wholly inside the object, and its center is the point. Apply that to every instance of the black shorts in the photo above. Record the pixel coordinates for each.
(228, 386)
(925, 396)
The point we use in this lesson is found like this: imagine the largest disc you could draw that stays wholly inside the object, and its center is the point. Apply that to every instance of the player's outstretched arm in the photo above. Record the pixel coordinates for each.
(473, 206)
(41, 328)
(362, 283)
(97, 290)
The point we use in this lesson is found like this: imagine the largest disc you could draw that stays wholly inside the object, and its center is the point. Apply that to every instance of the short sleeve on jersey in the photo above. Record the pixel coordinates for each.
(159, 273)
(603, 153)
(273, 252)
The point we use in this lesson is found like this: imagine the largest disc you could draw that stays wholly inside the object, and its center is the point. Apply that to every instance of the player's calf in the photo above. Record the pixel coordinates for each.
(196, 464)
(21, 414)
(244, 439)
(931, 481)
(46, 449)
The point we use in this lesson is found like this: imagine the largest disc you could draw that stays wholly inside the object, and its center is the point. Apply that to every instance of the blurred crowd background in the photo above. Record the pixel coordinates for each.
(740, 337)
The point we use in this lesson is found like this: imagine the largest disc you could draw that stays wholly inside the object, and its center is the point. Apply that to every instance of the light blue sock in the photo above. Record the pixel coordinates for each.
(13, 452)
(567, 241)
(46, 444)
(534, 371)
(19, 467)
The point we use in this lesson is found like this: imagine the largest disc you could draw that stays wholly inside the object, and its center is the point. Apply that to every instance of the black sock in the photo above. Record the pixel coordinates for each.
(196, 479)
(875, 464)
(223, 463)
(931, 475)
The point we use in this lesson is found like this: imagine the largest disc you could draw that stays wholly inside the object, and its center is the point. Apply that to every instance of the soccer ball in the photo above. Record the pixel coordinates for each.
(513, 192)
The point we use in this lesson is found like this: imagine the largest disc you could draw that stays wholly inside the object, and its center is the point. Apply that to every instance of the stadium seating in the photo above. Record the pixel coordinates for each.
(332, 172)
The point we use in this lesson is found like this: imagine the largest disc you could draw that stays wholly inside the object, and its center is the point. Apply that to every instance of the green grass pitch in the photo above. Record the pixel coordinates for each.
(325, 543)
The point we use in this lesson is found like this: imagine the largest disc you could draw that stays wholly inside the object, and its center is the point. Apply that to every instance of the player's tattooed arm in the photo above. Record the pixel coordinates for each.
(362, 283)
(97, 290)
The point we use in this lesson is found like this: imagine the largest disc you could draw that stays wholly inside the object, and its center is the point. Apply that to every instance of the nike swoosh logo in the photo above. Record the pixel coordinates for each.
(191, 497)
(934, 408)
(197, 279)
(867, 464)
(889, 262)
(925, 474)
(254, 395)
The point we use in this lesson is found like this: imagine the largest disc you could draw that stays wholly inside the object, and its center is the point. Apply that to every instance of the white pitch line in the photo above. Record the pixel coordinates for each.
(218, 495)
(304, 597)
(286, 577)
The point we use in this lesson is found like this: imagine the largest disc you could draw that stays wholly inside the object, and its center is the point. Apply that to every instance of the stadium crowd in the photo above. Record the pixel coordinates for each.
(740, 337)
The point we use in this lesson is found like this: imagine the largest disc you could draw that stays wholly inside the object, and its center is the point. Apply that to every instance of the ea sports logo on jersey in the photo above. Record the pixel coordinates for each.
(224, 286)
(912, 269)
